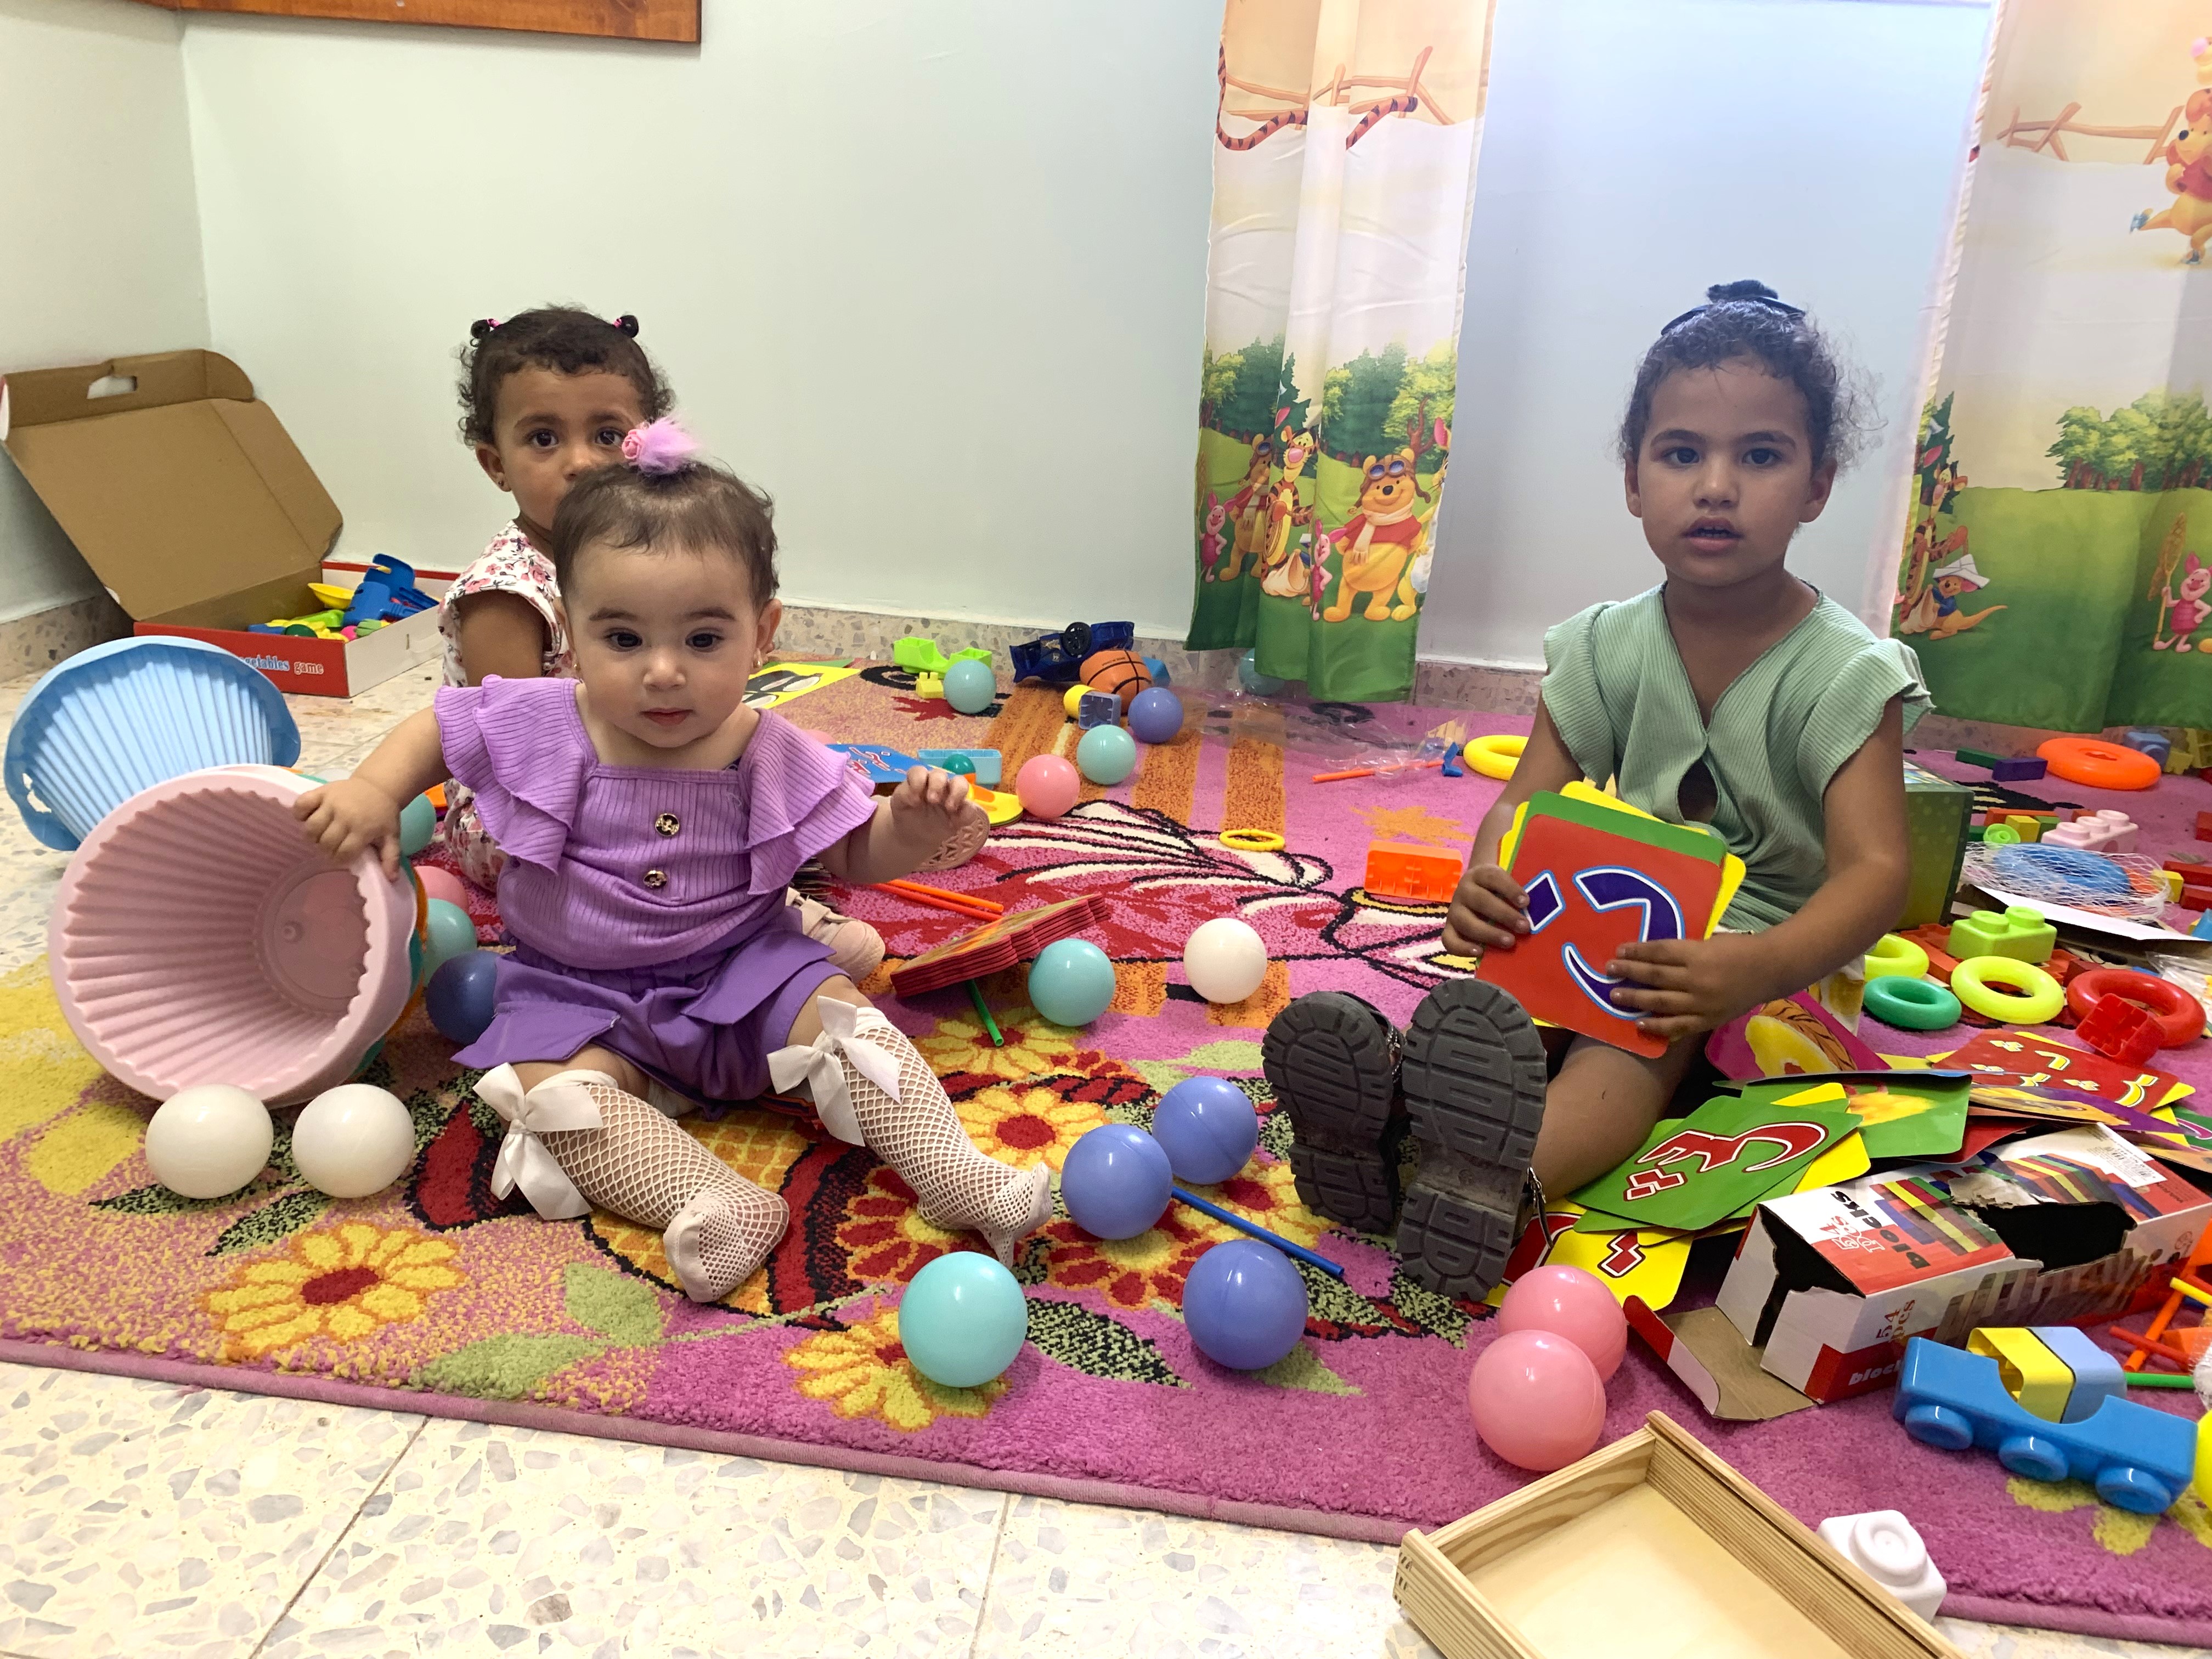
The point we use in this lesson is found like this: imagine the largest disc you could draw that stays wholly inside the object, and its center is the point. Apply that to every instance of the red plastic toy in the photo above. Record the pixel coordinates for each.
(2179, 1016)
(1412, 872)
(2117, 1028)
(2204, 826)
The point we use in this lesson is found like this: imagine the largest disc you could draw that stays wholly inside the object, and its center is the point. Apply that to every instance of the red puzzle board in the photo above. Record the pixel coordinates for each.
(1591, 892)
(998, 944)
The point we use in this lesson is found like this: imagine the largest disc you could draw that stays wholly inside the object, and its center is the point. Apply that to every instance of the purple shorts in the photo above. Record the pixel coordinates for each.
(705, 1024)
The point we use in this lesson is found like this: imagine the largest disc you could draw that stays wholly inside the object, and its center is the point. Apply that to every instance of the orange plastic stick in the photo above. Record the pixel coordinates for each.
(974, 912)
(992, 905)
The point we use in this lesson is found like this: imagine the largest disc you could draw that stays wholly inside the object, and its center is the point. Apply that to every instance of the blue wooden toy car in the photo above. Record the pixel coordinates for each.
(2137, 1458)
(1055, 657)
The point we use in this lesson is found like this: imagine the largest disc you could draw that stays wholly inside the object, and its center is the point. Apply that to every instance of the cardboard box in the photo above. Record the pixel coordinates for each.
(2043, 1231)
(195, 509)
(1937, 812)
(1653, 1533)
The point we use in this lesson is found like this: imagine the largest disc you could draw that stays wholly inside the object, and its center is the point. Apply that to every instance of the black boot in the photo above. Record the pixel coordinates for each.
(1473, 1078)
(1332, 1062)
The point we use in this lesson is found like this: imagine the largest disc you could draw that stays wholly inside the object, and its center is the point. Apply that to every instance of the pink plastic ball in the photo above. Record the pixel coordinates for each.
(1536, 1400)
(1048, 785)
(1572, 1302)
(439, 884)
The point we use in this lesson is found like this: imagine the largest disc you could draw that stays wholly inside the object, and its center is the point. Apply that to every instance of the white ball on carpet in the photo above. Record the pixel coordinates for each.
(208, 1141)
(1224, 959)
(353, 1140)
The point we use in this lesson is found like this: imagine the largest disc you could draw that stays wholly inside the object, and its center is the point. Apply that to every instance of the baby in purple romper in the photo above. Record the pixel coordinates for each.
(651, 823)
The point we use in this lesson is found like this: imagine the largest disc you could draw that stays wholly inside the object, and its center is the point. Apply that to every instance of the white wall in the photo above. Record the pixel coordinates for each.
(99, 247)
(931, 274)
(1638, 150)
(934, 274)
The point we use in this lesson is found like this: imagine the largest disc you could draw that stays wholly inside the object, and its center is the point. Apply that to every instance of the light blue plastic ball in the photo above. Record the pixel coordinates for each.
(1208, 1127)
(1070, 982)
(452, 934)
(1156, 716)
(418, 822)
(1117, 1182)
(1249, 676)
(963, 1320)
(1245, 1304)
(969, 686)
(1107, 754)
(1158, 670)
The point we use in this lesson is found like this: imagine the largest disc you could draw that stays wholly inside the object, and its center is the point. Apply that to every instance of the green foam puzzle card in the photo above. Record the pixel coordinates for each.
(1731, 1151)
(1901, 1114)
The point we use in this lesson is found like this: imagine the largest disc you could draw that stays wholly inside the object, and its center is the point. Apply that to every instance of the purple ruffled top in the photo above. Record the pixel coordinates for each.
(625, 866)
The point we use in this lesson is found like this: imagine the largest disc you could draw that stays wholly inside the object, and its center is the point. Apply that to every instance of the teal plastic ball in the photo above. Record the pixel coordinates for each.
(418, 822)
(1070, 982)
(1107, 754)
(969, 686)
(963, 1320)
(452, 934)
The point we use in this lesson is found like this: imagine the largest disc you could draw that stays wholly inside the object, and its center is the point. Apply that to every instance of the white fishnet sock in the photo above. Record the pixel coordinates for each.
(959, 1185)
(717, 1226)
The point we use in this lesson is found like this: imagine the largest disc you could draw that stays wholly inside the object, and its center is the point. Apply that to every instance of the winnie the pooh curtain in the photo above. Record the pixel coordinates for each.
(1343, 177)
(2058, 547)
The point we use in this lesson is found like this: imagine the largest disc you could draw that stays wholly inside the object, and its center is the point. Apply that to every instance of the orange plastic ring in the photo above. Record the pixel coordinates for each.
(2097, 765)
(2180, 1017)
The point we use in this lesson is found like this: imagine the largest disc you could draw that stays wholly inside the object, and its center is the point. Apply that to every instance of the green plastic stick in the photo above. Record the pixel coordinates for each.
(975, 996)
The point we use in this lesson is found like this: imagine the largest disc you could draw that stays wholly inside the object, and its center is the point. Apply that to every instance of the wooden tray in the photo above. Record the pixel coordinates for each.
(1651, 1545)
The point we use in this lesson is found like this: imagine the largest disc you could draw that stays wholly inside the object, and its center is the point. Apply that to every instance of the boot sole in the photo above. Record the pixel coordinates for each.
(1328, 1059)
(1474, 1078)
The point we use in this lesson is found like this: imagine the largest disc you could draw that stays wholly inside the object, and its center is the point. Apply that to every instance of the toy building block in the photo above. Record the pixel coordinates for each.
(2018, 768)
(2018, 933)
(2098, 1376)
(1097, 708)
(2104, 831)
(2173, 885)
(2204, 826)
(2118, 1029)
(2028, 827)
(1412, 872)
(2152, 742)
(2052, 1371)
(1977, 757)
(1886, 1546)
(2204, 927)
(2137, 1458)
(929, 686)
(2195, 896)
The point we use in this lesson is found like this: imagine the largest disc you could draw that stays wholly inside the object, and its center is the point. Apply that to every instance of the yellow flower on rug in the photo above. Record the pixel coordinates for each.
(1023, 1125)
(2115, 1529)
(345, 1282)
(862, 1370)
(1032, 1049)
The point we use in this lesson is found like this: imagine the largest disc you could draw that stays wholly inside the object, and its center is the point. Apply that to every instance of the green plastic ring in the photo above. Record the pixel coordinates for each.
(2040, 996)
(2001, 835)
(1910, 1004)
(1895, 958)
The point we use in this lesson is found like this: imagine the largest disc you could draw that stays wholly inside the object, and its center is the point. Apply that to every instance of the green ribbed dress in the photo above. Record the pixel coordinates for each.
(1615, 687)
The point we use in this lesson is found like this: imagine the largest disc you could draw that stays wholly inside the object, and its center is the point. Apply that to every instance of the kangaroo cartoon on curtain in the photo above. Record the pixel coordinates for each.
(1343, 175)
(2057, 551)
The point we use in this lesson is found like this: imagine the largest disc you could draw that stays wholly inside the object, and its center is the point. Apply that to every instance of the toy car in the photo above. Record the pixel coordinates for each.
(1055, 657)
(2137, 1458)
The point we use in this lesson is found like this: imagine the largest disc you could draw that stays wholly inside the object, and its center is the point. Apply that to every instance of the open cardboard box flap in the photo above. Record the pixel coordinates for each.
(184, 493)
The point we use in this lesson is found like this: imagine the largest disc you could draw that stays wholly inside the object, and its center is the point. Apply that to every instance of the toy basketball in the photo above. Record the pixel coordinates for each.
(1117, 673)
(198, 936)
(120, 718)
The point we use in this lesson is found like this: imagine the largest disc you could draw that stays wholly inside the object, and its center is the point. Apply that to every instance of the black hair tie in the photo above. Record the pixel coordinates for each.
(1737, 293)
(627, 323)
(483, 328)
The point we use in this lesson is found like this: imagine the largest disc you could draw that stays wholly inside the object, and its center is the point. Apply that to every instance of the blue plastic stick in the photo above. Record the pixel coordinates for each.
(1298, 1252)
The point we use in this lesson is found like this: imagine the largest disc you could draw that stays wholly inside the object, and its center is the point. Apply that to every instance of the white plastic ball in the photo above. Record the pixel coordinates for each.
(208, 1141)
(1226, 960)
(353, 1140)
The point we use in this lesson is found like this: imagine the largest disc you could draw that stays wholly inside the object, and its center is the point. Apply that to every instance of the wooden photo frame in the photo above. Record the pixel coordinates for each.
(674, 20)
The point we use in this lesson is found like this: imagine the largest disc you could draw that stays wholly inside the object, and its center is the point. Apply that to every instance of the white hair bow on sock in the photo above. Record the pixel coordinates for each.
(561, 1102)
(817, 1064)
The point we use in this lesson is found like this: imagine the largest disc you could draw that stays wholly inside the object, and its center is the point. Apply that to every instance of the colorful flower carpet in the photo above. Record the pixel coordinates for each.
(434, 1296)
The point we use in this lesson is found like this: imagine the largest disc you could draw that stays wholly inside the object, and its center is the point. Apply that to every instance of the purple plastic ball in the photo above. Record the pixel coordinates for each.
(1117, 1182)
(1208, 1128)
(1155, 715)
(1245, 1304)
(460, 995)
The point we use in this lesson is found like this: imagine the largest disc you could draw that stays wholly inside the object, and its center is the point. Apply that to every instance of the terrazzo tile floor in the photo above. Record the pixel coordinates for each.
(142, 1518)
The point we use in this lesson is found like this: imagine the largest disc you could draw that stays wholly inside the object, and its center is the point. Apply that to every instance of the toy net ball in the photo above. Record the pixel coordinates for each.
(1569, 1302)
(963, 1320)
(1226, 960)
(1070, 982)
(1107, 754)
(1208, 1127)
(969, 686)
(1048, 785)
(1117, 1182)
(353, 1140)
(208, 1141)
(461, 995)
(1156, 716)
(1117, 673)
(1536, 1400)
(1245, 1304)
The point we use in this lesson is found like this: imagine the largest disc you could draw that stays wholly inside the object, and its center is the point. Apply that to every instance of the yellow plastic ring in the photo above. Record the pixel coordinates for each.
(1893, 955)
(2040, 997)
(1252, 841)
(1494, 756)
